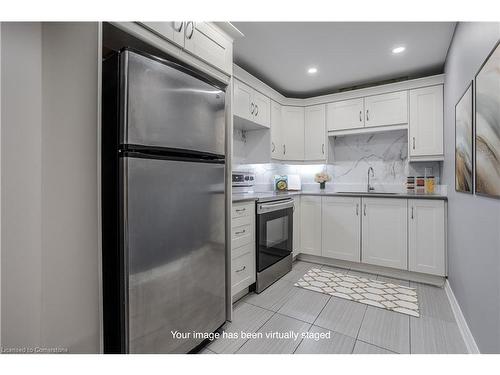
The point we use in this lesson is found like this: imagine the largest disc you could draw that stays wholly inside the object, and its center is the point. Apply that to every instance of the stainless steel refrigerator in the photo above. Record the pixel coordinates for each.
(163, 180)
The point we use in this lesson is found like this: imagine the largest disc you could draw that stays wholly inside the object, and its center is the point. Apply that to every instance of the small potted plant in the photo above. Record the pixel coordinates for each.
(322, 178)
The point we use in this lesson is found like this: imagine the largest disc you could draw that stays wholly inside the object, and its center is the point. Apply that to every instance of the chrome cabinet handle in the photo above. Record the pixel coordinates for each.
(242, 269)
(412, 216)
(274, 147)
(189, 35)
(360, 116)
(241, 209)
(323, 148)
(364, 209)
(367, 116)
(252, 108)
(284, 149)
(240, 232)
(256, 109)
(357, 209)
(178, 26)
(414, 143)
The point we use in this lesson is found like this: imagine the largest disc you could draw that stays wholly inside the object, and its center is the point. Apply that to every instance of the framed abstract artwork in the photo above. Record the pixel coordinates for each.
(487, 113)
(463, 143)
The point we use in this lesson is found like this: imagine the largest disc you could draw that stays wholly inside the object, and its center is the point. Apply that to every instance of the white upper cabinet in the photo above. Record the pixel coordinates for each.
(262, 110)
(315, 133)
(346, 114)
(426, 231)
(426, 123)
(310, 225)
(200, 39)
(207, 43)
(341, 228)
(276, 138)
(293, 132)
(172, 31)
(242, 95)
(371, 111)
(386, 109)
(384, 232)
(251, 105)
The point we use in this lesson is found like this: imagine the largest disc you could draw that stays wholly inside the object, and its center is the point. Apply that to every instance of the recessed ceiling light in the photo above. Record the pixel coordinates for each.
(312, 70)
(398, 50)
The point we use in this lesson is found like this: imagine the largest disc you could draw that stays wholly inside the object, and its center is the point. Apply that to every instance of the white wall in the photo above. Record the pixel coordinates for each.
(21, 183)
(473, 221)
(70, 290)
(50, 288)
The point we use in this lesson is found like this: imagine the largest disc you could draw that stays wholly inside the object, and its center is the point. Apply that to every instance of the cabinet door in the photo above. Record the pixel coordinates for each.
(386, 109)
(310, 225)
(426, 236)
(341, 228)
(262, 109)
(207, 43)
(426, 121)
(315, 133)
(384, 232)
(276, 138)
(242, 100)
(172, 31)
(293, 133)
(347, 114)
(296, 226)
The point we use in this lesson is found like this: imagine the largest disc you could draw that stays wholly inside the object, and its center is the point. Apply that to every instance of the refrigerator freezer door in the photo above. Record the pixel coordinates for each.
(164, 105)
(174, 242)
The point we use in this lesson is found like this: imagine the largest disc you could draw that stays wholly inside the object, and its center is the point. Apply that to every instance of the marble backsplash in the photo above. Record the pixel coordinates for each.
(386, 153)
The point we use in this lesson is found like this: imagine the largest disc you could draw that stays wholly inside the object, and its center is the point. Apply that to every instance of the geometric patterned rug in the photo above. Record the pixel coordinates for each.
(376, 293)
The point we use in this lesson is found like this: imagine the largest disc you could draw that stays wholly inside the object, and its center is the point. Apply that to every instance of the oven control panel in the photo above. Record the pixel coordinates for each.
(243, 179)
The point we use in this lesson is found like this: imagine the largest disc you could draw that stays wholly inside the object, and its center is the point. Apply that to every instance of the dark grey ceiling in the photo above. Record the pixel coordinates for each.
(345, 53)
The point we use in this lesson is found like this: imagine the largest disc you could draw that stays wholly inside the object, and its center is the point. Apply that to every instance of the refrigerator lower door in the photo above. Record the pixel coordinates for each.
(173, 220)
(166, 105)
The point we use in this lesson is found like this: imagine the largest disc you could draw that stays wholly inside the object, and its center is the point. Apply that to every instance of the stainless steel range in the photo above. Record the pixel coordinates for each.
(274, 230)
(274, 240)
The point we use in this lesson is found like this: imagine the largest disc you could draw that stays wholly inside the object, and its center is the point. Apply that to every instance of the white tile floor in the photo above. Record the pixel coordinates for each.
(354, 327)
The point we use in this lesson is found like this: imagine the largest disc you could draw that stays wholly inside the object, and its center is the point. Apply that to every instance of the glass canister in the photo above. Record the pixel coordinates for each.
(430, 184)
(420, 185)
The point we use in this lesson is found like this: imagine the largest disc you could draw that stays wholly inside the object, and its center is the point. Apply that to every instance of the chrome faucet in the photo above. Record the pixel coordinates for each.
(369, 187)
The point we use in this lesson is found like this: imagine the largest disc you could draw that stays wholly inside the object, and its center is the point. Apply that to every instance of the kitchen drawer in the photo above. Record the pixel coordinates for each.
(242, 235)
(243, 209)
(243, 269)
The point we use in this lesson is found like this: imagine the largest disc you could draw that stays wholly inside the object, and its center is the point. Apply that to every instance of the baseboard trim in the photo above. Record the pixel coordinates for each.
(462, 323)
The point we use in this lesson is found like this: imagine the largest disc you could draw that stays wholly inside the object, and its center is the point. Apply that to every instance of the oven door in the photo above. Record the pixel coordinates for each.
(274, 232)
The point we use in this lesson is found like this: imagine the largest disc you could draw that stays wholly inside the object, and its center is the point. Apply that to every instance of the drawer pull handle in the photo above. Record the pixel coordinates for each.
(241, 231)
(241, 209)
(242, 269)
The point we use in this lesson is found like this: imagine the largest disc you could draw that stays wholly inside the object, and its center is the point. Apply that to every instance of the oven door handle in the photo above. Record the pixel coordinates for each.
(271, 207)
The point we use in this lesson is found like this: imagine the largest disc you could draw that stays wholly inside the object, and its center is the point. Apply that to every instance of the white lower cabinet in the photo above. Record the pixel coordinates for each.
(242, 246)
(384, 232)
(426, 231)
(310, 225)
(341, 228)
(296, 226)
